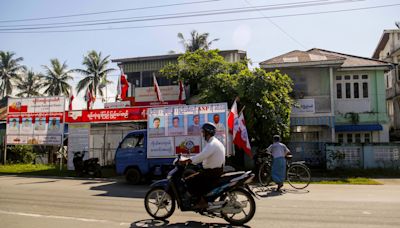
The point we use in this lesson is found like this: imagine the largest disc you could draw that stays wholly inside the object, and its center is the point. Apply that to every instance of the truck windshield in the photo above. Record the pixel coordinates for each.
(132, 141)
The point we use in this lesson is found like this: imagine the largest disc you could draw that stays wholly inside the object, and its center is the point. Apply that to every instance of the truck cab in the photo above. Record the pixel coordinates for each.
(131, 159)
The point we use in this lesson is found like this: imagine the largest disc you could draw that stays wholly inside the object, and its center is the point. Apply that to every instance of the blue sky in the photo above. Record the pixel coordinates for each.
(352, 32)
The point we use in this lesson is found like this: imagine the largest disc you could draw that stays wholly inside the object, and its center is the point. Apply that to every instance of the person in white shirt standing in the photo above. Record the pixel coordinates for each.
(279, 152)
(212, 158)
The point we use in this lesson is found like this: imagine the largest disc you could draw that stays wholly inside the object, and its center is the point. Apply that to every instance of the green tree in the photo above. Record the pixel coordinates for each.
(10, 67)
(29, 84)
(196, 41)
(264, 94)
(56, 78)
(95, 73)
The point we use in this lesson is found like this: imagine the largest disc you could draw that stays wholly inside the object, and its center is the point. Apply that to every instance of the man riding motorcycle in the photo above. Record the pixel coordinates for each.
(212, 158)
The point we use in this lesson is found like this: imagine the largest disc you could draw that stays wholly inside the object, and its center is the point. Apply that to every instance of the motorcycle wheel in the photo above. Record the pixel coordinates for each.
(237, 198)
(159, 204)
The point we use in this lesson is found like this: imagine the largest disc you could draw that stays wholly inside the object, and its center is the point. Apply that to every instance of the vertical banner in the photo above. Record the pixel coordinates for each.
(180, 128)
(78, 141)
(36, 120)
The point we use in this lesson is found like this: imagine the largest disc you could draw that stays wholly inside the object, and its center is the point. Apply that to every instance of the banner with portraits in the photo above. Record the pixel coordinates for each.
(178, 129)
(36, 120)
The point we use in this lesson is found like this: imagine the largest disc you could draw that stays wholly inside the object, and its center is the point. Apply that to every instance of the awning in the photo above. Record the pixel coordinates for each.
(358, 127)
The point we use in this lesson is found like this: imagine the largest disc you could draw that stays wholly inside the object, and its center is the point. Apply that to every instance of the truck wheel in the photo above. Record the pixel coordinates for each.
(133, 176)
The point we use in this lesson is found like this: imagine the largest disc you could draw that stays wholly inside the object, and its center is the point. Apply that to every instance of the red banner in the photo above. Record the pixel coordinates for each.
(106, 115)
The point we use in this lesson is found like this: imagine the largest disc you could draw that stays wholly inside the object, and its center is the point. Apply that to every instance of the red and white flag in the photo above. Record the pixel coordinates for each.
(122, 86)
(181, 91)
(89, 98)
(71, 98)
(233, 114)
(157, 89)
(241, 138)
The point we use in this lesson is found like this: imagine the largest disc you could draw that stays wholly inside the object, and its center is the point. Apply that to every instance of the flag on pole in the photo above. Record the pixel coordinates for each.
(124, 86)
(157, 89)
(233, 114)
(71, 98)
(181, 90)
(241, 138)
(89, 98)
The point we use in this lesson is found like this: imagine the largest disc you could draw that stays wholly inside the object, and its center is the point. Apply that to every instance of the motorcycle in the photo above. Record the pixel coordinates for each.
(231, 199)
(90, 166)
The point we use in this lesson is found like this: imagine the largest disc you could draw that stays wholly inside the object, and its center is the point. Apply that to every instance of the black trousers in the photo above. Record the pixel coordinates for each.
(204, 181)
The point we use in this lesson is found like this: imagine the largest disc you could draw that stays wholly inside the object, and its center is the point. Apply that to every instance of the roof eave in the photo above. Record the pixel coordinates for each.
(297, 64)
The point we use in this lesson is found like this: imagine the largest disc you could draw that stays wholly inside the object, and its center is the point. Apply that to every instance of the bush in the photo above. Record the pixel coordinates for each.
(20, 154)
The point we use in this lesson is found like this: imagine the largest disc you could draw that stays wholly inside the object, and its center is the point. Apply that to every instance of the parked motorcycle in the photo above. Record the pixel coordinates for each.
(231, 199)
(89, 167)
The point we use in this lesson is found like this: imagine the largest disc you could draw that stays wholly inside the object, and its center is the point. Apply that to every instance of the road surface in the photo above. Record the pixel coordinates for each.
(61, 203)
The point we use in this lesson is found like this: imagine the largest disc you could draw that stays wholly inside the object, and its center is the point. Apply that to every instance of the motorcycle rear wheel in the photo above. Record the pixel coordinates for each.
(158, 200)
(239, 196)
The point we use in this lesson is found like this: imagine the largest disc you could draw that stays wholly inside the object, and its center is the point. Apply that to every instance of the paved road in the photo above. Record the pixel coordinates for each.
(61, 203)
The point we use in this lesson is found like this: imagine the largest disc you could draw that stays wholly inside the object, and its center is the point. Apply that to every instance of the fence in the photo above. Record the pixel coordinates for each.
(313, 153)
(365, 156)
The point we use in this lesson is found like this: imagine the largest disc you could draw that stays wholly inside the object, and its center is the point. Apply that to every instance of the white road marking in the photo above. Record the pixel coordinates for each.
(62, 217)
(366, 212)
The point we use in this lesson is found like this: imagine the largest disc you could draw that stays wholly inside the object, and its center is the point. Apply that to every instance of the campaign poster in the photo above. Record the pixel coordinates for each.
(16, 139)
(160, 147)
(187, 145)
(182, 125)
(13, 126)
(219, 120)
(27, 125)
(175, 125)
(40, 125)
(195, 121)
(157, 126)
(54, 125)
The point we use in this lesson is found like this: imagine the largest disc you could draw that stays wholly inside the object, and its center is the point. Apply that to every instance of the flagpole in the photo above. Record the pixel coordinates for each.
(242, 110)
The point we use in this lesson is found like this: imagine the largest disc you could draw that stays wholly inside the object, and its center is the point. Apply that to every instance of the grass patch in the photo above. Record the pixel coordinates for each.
(46, 170)
(354, 180)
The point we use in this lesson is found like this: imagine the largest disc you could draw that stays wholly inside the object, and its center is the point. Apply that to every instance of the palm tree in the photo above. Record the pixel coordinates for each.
(56, 79)
(9, 70)
(197, 41)
(29, 84)
(96, 72)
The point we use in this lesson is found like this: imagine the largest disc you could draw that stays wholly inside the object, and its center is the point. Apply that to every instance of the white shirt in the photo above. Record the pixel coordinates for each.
(278, 149)
(212, 156)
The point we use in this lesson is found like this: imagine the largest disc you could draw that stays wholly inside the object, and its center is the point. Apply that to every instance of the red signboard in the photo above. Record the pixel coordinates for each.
(107, 115)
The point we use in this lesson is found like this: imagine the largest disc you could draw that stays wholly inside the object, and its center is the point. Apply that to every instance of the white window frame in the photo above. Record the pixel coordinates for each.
(342, 82)
(344, 135)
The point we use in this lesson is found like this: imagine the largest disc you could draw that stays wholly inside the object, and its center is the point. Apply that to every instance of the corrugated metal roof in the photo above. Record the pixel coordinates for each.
(318, 56)
(300, 57)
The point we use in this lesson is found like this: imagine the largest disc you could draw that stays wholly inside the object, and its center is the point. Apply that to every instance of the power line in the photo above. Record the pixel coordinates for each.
(149, 16)
(188, 14)
(109, 11)
(208, 22)
(279, 27)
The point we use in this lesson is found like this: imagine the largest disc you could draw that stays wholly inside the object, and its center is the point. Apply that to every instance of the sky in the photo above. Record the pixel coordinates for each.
(274, 28)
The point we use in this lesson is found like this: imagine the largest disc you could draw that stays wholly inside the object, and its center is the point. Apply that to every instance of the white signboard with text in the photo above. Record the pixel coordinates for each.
(37, 120)
(177, 130)
(78, 141)
(303, 106)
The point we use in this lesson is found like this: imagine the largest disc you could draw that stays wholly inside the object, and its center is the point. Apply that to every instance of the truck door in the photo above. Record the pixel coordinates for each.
(132, 153)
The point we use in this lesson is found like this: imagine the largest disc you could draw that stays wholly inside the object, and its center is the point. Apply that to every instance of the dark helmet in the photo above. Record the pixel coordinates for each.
(209, 128)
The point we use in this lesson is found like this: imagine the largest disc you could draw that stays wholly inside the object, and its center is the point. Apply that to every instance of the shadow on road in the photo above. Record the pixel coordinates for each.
(271, 191)
(159, 223)
(118, 189)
